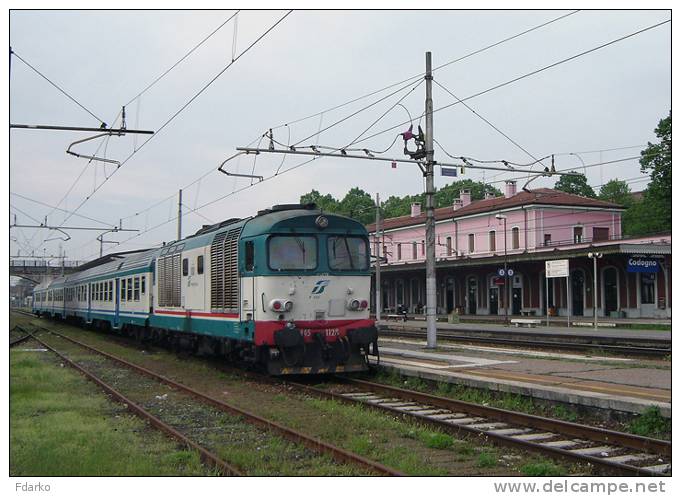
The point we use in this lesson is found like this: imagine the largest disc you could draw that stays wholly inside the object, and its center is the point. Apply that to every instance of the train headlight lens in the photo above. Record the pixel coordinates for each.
(322, 222)
(354, 304)
(281, 305)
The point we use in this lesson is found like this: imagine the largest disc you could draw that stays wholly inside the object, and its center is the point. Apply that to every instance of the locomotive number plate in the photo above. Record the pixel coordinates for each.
(327, 332)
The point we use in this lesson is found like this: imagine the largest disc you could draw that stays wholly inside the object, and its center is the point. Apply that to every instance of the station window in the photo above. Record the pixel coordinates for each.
(144, 284)
(449, 246)
(471, 243)
(413, 250)
(577, 234)
(129, 294)
(547, 239)
(137, 288)
(647, 288)
(185, 266)
(399, 251)
(123, 290)
(515, 235)
(199, 265)
(492, 241)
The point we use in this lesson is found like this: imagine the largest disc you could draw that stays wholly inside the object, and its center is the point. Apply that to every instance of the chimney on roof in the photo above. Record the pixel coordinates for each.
(510, 189)
(457, 204)
(465, 196)
(489, 195)
(415, 209)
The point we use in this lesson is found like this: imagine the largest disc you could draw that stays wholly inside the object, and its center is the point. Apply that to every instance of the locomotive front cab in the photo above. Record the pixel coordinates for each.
(309, 279)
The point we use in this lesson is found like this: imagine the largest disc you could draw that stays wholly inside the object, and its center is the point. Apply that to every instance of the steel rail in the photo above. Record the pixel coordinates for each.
(624, 350)
(208, 457)
(19, 340)
(603, 465)
(339, 454)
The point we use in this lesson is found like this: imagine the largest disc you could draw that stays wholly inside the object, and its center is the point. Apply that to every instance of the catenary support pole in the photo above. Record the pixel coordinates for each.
(179, 216)
(377, 251)
(431, 296)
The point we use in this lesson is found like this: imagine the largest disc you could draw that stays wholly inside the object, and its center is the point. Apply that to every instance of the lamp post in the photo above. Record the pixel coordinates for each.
(595, 256)
(506, 288)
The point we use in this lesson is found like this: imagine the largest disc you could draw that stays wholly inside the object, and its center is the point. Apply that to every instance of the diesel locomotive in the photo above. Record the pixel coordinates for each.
(286, 290)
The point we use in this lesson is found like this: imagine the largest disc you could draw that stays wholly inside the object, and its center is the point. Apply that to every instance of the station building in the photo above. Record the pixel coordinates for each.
(525, 228)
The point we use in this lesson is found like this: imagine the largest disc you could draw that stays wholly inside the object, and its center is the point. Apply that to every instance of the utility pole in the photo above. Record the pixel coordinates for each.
(595, 256)
(377, 250)
(179, 217)
(431, 295)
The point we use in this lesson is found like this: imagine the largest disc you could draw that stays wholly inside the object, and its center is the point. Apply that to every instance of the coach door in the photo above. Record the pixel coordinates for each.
(117, 293)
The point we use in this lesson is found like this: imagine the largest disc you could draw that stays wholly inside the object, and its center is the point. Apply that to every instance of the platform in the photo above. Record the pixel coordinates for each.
(612, 383)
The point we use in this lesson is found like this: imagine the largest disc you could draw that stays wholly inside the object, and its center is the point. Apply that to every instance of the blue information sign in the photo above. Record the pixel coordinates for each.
(643, 264)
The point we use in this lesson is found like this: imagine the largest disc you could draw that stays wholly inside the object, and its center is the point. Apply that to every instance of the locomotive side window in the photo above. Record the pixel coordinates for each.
(199, 264)
(185, 266)
(348, 253)
(250, 255)
(293, 253)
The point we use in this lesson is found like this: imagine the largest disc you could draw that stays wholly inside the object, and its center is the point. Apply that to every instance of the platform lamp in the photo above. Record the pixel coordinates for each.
(595, 256)
(507, 291)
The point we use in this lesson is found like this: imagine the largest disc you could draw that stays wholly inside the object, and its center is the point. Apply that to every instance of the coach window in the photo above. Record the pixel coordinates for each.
(185, 266)
(123, 290)
(250, 255)
(144, 284)
(137, 288)
(199, 265)
(129, 289)
(110, 290)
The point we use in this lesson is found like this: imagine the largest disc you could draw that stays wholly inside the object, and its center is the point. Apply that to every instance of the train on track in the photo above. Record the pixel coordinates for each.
(286, 290)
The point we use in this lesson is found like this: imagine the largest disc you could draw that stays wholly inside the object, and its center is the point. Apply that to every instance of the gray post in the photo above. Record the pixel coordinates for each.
(377, 244)
(431, 295)
(179, 216)
(547, 299)
(567, 296)
(595, 296)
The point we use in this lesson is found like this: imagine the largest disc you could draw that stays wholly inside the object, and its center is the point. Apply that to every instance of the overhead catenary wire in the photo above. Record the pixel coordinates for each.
(178, 112)
(63, 91)
(528, 74)
(421, 74)
(192, 50)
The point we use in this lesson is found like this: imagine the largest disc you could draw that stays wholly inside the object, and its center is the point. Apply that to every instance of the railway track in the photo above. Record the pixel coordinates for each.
(20, 339)
(340, 455)
(533, 343)
(609, 452)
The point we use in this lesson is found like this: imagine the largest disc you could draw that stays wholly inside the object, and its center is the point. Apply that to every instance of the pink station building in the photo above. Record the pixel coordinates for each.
(526, 228)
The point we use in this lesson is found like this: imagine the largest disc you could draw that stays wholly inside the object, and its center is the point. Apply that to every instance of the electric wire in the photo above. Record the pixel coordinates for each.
(13, 52)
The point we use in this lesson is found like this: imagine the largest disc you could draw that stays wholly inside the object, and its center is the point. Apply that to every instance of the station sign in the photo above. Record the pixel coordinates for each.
(643, 264)
(557, 268)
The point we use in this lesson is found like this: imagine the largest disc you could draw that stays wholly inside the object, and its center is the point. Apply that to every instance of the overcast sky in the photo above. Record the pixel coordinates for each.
(310, 62)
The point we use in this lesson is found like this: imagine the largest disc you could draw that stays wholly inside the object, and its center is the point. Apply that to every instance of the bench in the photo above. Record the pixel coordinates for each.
(526, 322)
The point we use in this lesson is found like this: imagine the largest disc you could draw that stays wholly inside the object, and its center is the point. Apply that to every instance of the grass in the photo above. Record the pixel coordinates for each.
(650, 423)
(487, 459)
(542, 468)
(506, 401)
(55, 415)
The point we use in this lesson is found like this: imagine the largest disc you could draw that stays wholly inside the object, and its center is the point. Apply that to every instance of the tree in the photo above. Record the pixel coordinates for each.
(656, 160)
(447, 194)
(616, 191)
(358, 205)
(326, 202)
(576, 185)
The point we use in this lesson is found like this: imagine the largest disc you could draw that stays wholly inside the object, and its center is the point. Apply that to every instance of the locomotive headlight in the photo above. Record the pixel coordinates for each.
(322, 222)
(354, 304)
(279, 305)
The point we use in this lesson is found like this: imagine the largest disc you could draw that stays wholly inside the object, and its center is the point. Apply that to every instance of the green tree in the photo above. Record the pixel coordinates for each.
(616, 191)
(326, 202)
(358, 205)
(656, 160)
(575, 184)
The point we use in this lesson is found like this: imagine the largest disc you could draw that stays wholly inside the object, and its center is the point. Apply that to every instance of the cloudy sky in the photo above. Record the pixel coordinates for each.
(310, 62)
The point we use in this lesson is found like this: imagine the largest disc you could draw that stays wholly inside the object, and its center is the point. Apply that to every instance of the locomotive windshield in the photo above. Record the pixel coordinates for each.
(293, 253)
(348, 253)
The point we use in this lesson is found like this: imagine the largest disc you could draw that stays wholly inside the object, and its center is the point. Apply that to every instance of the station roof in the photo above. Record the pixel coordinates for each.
(540, 196)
